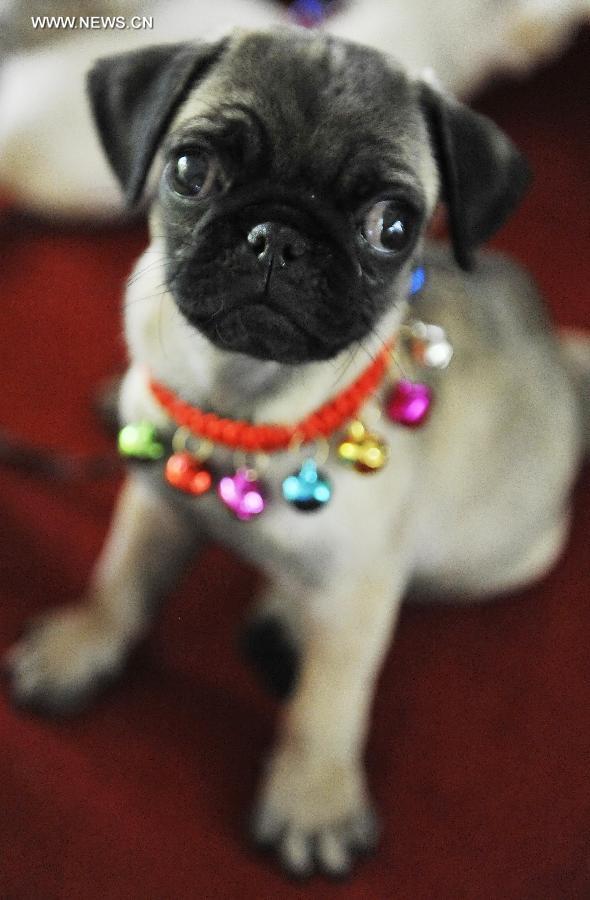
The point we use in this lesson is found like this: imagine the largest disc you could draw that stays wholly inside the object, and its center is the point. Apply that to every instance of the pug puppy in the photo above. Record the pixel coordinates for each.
(293, 177)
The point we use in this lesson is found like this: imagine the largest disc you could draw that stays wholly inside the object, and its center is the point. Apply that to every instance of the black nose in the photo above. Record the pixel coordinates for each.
(273, 241)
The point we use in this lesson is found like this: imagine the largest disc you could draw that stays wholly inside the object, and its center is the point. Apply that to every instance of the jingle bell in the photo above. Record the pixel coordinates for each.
(242, 494)
(187, 474)
(308, 489)
(365, 452)
(417, 280)
(409, 403)
(139, 440)
(429, 346)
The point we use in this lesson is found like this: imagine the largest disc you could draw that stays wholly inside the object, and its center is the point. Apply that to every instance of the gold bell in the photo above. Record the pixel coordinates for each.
(364, 451)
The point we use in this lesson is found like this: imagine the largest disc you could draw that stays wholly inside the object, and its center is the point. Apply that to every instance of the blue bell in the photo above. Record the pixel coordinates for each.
(418, 280)
(307, 489)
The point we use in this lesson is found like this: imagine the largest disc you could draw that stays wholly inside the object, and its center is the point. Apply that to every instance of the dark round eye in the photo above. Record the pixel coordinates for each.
(388, 226)
(193, 173)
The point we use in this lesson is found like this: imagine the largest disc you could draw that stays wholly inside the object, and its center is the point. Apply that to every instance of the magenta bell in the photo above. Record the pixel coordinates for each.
(409, 403)
(242, 494)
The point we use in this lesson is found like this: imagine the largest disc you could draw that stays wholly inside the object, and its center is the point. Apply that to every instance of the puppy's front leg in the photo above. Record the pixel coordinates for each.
(314, 806)
(67, 654)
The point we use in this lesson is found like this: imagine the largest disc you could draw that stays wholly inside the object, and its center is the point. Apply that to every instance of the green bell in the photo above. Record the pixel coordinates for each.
(139, 440)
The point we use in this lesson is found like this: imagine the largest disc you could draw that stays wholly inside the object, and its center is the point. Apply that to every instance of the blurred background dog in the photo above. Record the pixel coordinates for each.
(47, 147)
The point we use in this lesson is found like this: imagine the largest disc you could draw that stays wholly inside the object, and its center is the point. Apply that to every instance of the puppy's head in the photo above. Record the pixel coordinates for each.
(296, 177)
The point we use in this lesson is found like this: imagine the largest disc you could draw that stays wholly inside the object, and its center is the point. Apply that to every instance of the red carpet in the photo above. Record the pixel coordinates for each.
(480, 751)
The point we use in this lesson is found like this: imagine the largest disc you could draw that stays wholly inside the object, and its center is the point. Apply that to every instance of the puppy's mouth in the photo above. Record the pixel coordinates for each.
(262, 329)
(263, 332)
(269, 326)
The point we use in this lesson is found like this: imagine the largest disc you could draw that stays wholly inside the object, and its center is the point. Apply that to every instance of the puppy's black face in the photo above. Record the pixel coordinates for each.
(292, 197)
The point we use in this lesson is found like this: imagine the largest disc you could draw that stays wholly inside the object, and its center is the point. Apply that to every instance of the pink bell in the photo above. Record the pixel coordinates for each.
(242, 494)
(409, 403)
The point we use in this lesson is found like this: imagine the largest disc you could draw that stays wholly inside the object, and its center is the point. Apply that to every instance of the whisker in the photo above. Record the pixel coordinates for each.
(159, 292)
(216, 313)
(220, 336)
(371, 355)
(154, 264)
(392, 353)
(160, 341)
(344, 366)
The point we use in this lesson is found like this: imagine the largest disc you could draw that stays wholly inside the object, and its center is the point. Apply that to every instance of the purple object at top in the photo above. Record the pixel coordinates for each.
(310, 13)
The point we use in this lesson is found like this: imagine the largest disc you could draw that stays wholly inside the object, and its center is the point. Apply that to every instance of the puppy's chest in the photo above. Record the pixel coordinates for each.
(354, 513)
(306, 542)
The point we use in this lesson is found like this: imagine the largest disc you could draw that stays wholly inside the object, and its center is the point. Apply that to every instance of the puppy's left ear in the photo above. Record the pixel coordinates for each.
(483, 175)
(134, 97)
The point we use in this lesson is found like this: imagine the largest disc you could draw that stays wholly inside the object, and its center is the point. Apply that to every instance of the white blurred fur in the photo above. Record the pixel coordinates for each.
(50, 160)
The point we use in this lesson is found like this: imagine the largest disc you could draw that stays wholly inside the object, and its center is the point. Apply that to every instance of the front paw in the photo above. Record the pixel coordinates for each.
(315, 816)
(63, 659)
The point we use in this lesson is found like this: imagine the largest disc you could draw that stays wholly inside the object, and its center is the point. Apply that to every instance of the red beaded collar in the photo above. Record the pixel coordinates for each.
(266, 438)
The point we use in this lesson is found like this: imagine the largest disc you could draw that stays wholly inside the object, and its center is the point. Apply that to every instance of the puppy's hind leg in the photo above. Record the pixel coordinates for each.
(271, 639)
(68, 654)
(575, 349)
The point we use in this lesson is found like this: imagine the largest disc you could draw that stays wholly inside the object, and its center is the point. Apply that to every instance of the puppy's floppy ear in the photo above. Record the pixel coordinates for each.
(134, 97)
(483, 174)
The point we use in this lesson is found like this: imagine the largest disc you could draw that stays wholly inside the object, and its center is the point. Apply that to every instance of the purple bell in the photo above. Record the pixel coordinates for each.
(242, 494)
(409, 403)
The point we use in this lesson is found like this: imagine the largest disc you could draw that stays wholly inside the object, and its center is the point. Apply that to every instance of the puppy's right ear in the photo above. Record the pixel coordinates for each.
(134, 97)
